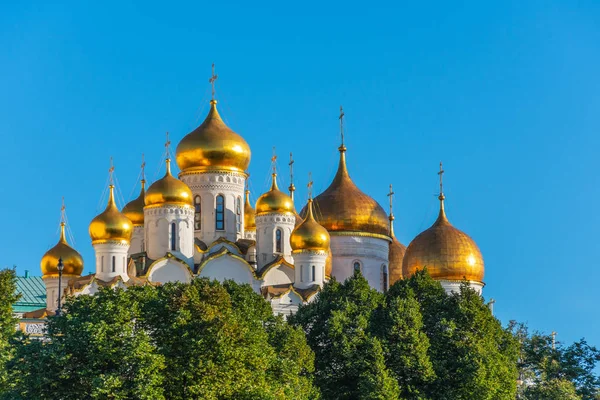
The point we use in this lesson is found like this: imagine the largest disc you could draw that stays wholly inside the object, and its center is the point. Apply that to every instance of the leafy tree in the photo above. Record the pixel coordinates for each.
(349, 361)
(553, 389)
(95, 349)
(8, 296)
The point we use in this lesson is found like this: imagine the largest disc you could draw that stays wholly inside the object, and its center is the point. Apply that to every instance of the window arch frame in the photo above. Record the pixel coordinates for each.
(114, 264)
(220, 212)
(238, 214)
(314, 273)
(278, 240)
(173, 237)
(356, 263)
(197, 212)
(385, 278)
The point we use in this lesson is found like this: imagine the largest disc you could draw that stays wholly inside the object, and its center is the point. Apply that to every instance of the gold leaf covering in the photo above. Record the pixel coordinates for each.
(111, 224)
(447, 252)
(309, 235)
(274, 201)
(72, 261)
(249, 214)
(212, 146)
(344, 207)
(168, 190)
(134, 210)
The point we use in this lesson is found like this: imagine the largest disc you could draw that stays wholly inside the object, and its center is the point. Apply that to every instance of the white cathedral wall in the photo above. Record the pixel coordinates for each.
(209, 185)
(51, 283)
(251, 234)
(286, 304)
(278, 275)
(111, 260)
(228, 267)
(303, 263)
(157, 224)
(454, 286)
(370, 252)
(137, 240)
(266, 227)
(169, 270)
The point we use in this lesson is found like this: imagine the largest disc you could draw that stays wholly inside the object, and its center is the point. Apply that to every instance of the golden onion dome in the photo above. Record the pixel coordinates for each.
(395, 255)
(134, 210)
(344, 207)
(213, 146)
(309, 235)
(111, 224)
(72, 261)
(249, 214)
(274, 201)
(168, 190)
(446, 252)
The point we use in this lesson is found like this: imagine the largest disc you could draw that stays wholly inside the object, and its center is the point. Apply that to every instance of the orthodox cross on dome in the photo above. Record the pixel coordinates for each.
(310, 185)
(143, 166)
(273, 160)
(63, 212)
(291, 188)
(111, 170)
(212, 80)
(341, 117)
(167, 144)
(391, 196)
(441, 174)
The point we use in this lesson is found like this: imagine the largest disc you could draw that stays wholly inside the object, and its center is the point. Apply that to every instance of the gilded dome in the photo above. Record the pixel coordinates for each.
(72, 261)
(344, 207)
(134, 210)
(274, 201)
(309, 235)
(213, 146)
(111, 224)
(447, 252)
(249, 214)
(168, 190)
(395, 256)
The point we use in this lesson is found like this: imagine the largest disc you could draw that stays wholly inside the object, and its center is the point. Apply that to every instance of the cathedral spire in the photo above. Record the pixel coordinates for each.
(291, 188)
(342, 147)
(212, 81)
(391, 216)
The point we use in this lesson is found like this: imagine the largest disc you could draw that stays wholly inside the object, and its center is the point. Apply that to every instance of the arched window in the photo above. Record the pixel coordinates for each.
(102, 264)
(238, 214)
(220, 213)
(356, 266)
(314, 277)
(114, 264)
(278, 240)
(197, 213)
(173, 236)
(384, 278)
(302, 273)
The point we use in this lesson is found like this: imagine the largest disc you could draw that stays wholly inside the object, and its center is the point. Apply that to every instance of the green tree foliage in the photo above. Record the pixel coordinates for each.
(198, 341)
(434, 345)
(8, 296)
(350, 363)
(544, 366)
(553, 389)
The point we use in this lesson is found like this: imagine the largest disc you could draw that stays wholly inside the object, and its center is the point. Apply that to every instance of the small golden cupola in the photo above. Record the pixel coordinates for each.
(111, 225)
(249, 214)
(134, 210)
(446, 252)
(71, 259)
(397, 249)
(343, 207)
(213, 146)
(168, 190)
(274, 201)
(309, 235)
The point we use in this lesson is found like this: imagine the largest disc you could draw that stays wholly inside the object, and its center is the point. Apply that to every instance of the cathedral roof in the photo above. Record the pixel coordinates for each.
(274, 201)
(134, 210)
(71, 259)
(111, 224)
(309, 235)
(168, 190)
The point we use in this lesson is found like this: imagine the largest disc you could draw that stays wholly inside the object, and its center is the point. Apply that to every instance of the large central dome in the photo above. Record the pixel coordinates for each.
(343, 207)
(212, 147)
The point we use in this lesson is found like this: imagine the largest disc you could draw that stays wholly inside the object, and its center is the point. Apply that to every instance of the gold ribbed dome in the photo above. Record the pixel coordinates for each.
(168, 190)
(249, 214)
(344, 207)
(134, 210)
(213, 146)
(111, 224)
(448, 253)
(309, 235)
(72, 261)
(395, 255)
(274, 201)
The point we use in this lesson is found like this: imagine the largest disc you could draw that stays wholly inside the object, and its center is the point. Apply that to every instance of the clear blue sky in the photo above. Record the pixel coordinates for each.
(506, 94)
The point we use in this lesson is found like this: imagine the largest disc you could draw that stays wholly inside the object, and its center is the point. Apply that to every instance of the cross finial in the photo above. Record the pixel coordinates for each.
(391, 196)
(167, 144)
(310, 185)
(63, 212)
(143, 166)
(342, 124)
(212, 80)
(291, 188)
(111, 170)
(441, 174)
(273, 159)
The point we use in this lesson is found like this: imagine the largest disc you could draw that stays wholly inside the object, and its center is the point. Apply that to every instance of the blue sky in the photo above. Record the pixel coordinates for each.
(506, 94)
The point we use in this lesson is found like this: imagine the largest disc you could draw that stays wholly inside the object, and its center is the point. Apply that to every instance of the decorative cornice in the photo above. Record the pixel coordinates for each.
(360, 234)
